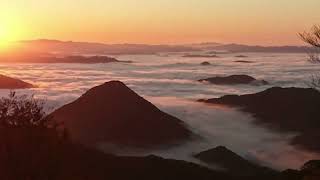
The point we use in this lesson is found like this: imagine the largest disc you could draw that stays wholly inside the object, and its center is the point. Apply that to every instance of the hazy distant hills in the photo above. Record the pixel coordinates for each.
(67, 47)
(205, 45)
(70, 47)
(276, 49)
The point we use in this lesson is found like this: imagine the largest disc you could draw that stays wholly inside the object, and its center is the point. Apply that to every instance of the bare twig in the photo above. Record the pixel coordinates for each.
(313, 39)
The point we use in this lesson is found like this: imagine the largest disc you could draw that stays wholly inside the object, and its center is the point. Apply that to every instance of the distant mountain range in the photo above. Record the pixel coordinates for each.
(70, 47)
(276, 49)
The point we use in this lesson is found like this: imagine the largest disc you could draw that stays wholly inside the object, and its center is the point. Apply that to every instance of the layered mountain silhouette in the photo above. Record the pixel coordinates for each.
(238, 48)
(71, 47)
(286, 109)
(113, 113)
(12, 83)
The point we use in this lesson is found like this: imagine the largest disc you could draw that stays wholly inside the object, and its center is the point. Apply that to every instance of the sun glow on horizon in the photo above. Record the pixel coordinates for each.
(158, 22)
(10, 31)
(5, 39)
(3, 36)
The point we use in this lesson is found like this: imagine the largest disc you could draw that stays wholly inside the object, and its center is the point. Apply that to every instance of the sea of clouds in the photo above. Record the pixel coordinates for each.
(170, 82)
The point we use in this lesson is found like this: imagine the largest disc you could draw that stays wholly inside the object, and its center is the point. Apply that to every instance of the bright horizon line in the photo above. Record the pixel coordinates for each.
(250, 22)
(155, 44)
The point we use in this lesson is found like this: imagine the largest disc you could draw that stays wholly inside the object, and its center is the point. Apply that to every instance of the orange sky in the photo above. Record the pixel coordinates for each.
(265, 22)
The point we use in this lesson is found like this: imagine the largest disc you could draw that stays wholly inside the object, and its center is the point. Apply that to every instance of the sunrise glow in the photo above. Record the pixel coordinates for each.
(160, 22)
(159, 89)
(11, 29)
(4, 40)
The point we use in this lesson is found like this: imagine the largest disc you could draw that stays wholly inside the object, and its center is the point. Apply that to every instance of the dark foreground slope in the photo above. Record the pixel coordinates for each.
(285, 109)
(113, 113)
(232, 162)
(12, 83)
(40, 154)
